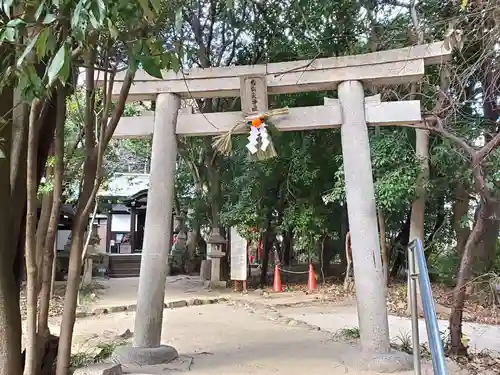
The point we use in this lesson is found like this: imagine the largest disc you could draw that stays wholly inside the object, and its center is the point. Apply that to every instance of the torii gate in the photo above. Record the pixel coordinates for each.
(352, 112)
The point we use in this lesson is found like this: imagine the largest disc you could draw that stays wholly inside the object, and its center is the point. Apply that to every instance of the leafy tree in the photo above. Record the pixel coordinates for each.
(285, 195)
(43, 46)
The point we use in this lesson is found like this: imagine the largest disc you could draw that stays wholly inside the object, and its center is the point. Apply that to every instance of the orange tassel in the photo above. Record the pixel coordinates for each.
(257, 122)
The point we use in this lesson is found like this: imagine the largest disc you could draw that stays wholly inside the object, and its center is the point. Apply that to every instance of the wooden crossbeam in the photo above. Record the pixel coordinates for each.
(303, 118)
(378, 68)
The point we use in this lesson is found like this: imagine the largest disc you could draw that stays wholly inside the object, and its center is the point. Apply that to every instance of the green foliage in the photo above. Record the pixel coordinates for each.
(443, 266)
(302, 189)
(395, 170)
(48, 55)
(348, 334)
(122, 155)
(98, 354)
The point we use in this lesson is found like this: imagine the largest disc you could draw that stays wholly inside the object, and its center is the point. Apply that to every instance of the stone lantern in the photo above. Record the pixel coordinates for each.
(215, 253)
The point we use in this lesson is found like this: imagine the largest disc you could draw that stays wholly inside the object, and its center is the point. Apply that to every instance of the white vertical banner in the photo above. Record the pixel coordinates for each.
(238, 256)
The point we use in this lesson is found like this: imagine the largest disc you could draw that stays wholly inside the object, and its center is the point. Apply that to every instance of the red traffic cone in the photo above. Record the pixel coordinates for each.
(311, 281)
(277, 287)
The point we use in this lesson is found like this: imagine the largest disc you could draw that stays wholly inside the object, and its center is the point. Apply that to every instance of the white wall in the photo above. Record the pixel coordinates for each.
(121, 223)
(125, 184)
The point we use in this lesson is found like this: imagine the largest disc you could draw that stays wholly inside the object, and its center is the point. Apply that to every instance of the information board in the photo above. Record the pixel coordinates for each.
(238, 256)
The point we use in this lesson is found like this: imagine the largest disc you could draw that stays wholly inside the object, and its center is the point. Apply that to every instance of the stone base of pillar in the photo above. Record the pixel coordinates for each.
(391, 362)
(215, 284)
(144, 356)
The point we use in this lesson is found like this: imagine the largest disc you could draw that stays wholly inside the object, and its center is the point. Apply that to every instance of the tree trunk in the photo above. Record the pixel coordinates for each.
(12, 218)
(214, 183)
(46, 127)
(265, 259)
(464, 274)
(75, 261)
(383, 245)
(329, 251)
(485, 252)
(224, 262)
(417, 229)
(91, 181)
(460, 212)
(400, 244)
(287, 247)
(192, 237)
(70, 299)
(202, 244)
(344, 230)
(45, 271)
(438, 224)
(266, 243)
(91, 168)
(49, 255)
(48, 355)
(10, 322)
(42, 228)
(18, 171)
(30, 247)
(10, 315)
(86, 261)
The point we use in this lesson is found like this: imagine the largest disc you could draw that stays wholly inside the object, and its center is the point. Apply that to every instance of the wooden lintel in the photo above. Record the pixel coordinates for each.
(401, 113)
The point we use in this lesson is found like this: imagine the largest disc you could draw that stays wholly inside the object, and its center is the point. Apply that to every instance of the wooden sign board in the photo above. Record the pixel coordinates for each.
(253, 91)
(238, 256)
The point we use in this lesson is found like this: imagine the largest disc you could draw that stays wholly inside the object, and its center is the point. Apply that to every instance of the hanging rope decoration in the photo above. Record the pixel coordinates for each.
(260, 143)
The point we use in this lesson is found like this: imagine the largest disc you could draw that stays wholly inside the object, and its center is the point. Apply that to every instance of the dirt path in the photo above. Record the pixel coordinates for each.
(230, 340)
(332, 318)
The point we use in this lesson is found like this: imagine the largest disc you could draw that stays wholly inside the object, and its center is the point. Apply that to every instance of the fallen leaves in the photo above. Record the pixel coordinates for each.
(56, 304)
(443, 296)
(477, 363)
(88, 294)
(397, 301)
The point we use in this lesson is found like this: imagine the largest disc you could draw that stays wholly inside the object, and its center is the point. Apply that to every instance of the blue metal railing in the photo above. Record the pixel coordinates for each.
(416, 257)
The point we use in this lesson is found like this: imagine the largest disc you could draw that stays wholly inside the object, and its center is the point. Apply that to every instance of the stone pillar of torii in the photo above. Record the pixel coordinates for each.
(352, 112)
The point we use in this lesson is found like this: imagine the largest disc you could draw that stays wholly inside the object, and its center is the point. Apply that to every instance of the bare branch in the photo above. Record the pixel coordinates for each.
(203, 54)
(120, 105)
(440, 129)
(213, 15)
(90, 96)
(486, 150)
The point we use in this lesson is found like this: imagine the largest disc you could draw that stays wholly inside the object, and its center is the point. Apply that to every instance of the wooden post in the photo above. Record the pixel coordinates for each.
(133, 214)
(108, 231)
